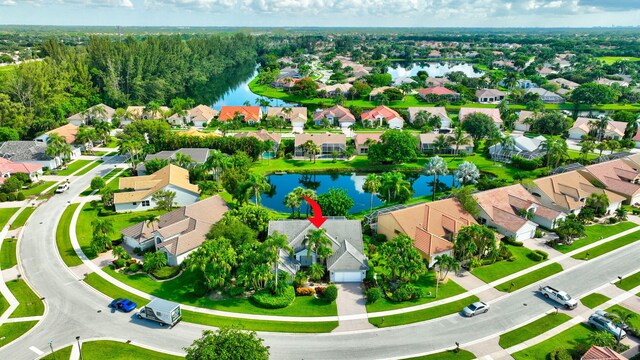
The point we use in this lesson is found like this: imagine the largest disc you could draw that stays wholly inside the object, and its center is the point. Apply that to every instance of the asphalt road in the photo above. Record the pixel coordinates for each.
(75, 309)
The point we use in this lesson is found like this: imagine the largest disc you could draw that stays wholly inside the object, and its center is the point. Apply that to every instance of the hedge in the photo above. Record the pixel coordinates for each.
(264, 298)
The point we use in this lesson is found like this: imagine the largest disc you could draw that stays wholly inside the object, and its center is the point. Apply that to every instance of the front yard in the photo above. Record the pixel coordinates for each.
(530, 278)
(593, 300)
(608, 246)
(37, 188)
(73, 167)
(568, 340)
(533, 329)
(500, 269)
(596, 233)
(5, 215)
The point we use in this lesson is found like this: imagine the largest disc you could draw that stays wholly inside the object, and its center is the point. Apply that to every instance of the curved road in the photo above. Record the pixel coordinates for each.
(74, 308)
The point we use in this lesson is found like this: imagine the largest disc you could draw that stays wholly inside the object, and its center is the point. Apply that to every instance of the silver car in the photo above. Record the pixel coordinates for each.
(475, 309)
(600, 321)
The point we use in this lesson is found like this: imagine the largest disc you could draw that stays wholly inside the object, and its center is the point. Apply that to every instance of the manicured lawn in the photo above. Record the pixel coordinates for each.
(112, 144)
(84, 229)
(612, 59)
(38, 188)
(423, 315)
(530, 278)
(89, 168)
(503, 268)
(22, 217)
(634, 320)
(63, 353)
(5, 215)
(112, 291)
(531, 330)
(608, 246)
(593, 300)
(114, 350)
(447, 355)
(180, 290)
(596, 233)
(113, 184)
(12, 331)
(30, 303)
(4, 304)
(627, 283)
(74, 166)
(8, 254)
(568, 339)
(427, 284)
(63, 241)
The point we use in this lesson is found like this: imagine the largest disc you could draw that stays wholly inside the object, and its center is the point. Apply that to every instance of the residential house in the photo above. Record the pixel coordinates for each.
(568, 192)
(609, 82)
(439, 111)
(381, 115)
(440, 91)
(8, 168)
(336, 115)
(97, 112)
(564, 84)
(179, 232)
(362, 141)
(547, 97)
(248, 114)
(285, 82)
(434, 81)
(513, 211)
(427, 141)
(524, 119)
(544, 71)
(377, 91)
(199, 116)
(432, 226)
(522, 146)
(142, 113)
(29, 152)
(601, 353)
(263, 135)
(434, 54)
(403, 80)
(617, 176)
(636, 138)
(327, 142)
(582, 126)
(200, 134)
(347, 264)
(333, 90)
(68, 132)
(198, 155)
(297, 116)
(526, 84)
(137, 191)
(494, 114)
(490, 96)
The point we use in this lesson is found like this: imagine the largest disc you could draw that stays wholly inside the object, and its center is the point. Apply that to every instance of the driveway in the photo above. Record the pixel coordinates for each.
(351, 302)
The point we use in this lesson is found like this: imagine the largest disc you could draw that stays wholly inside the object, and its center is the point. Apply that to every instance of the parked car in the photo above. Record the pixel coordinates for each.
(62, 188)
(475, 309)
(560, 297)
(600, 321)
(121, 304)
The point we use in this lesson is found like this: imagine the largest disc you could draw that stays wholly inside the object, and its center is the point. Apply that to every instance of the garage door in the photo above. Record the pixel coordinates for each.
(344, 276)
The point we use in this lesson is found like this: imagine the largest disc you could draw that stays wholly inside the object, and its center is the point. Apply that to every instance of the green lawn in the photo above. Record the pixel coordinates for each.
(427, 284)
(5, 215)
(501, 269)
(113, 184)
(530, 278)
(84, 229)
(22, 217)
(63, 241)
(634, 320)
(30, 303)
(627, 283)
(447, 355)
(531, 330)
(593, 300)
(4, 304)
(112, 144)
(180, 290)
(608, 246)
(106, 178)
(568, 339)
(423, 315)
(8, 254)
(12, 331)
(63, 353)
(107, 288)
(36, 189)
(596, 233)
(114, 350)
(74, 166)
(612, 59)
(89, 168)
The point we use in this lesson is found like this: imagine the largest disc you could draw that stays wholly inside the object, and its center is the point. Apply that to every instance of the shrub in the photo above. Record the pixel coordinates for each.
(320, 290)
(561, 354)
(373, 295)
(381, 237)
(97, 183)
(165, 272)
(119, 263)
(538, 234)
(137, 250)
(612, 220)
(3, 197)
(305, 291)
(331, 293)
(544, 254)
(635, 211)
(264, 298)
(406, 292)
(20, 196)
(510, 240)
(236, 291)
(372, 249)
(534, 256)
(299, 279)
(134, 267)
(12, 197)
(521, 163)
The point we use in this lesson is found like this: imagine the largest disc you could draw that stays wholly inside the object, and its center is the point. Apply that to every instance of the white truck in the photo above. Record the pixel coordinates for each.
(162, 311)
(558, 296)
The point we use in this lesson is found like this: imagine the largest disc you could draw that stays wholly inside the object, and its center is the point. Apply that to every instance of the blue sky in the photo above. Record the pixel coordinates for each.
(385, 13)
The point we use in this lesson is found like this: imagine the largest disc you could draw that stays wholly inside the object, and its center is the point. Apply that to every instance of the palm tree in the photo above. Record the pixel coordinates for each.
(602, 146)
(621, 319)
(86, 136)
(55, 145)
(441, 143)
(435, 166)
(133, 148)
(459, 138)
(586, 147)
(104, 227)
(317, 242)
(311, 149)
(293, 201)
(216, 162)
(599, 126)
(269, 146)
(184, 161)
(372, 185)
(272, 246)
(395, 186)
(307, 193)
(466, 173)
(446, 264)
(621, 214)
(153, 108)
(103, 130)
(119, 252)
(599, 203)
(557, 151)
(259, 185)
(316, 272)
(152, 221)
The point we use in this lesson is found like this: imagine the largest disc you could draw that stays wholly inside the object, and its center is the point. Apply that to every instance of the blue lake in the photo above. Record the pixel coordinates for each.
(352, 182)
(237, 94)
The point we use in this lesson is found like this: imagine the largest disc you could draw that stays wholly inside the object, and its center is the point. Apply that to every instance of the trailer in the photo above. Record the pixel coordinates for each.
(162, 311)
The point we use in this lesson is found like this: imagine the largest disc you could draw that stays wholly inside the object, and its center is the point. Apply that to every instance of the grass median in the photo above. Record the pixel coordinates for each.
(64, 353)
(73, 167)
(30, 303)
(596, 233)
(423, 315)
(12, 331)
(115, 350)
(608, 246)
(8, 257)
(446, 355)
(533, 329)
(629, 282)
(593, 300)
(530, 278)
(22, 218)
(89, 168)
(4, 304)
(63, 241)
(5, 215)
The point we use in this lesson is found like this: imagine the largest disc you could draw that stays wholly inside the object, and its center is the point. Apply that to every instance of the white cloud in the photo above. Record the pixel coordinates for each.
(94, 3)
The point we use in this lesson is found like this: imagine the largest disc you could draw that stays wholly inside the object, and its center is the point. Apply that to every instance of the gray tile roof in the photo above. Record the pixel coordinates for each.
(347, 258)
(24, 151)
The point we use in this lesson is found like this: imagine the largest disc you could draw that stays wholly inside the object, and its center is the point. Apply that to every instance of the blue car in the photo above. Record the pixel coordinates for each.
(121, 304)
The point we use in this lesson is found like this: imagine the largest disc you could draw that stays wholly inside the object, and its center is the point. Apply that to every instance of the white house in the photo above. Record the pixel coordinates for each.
(98, 112)
(199, 116)
(439, 111)
(382, 115)
(582, 126)
(335, 115)
(137, 191)
(31, 152)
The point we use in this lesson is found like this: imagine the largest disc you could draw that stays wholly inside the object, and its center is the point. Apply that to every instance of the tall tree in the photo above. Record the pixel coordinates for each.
(403, 262)
(318, 243)
(435, 166)
(372, 185)
(225, 343)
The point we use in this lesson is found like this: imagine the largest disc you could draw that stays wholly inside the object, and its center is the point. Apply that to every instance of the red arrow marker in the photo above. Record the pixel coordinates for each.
(317, 218)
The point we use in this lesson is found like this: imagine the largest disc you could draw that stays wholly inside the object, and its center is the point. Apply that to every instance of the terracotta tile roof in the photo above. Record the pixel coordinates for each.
(360, 139)
(616, 175)
(568, 188)
(524, 115)
(380, 111)
(601, 353)
(492, 113)
(145, 186)
(636, 137)
(8, 166)
(249, 113)
(341, 113)
(319, 139)
(616, 127)
(261, 134)
(68, 132)
(437, 90)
